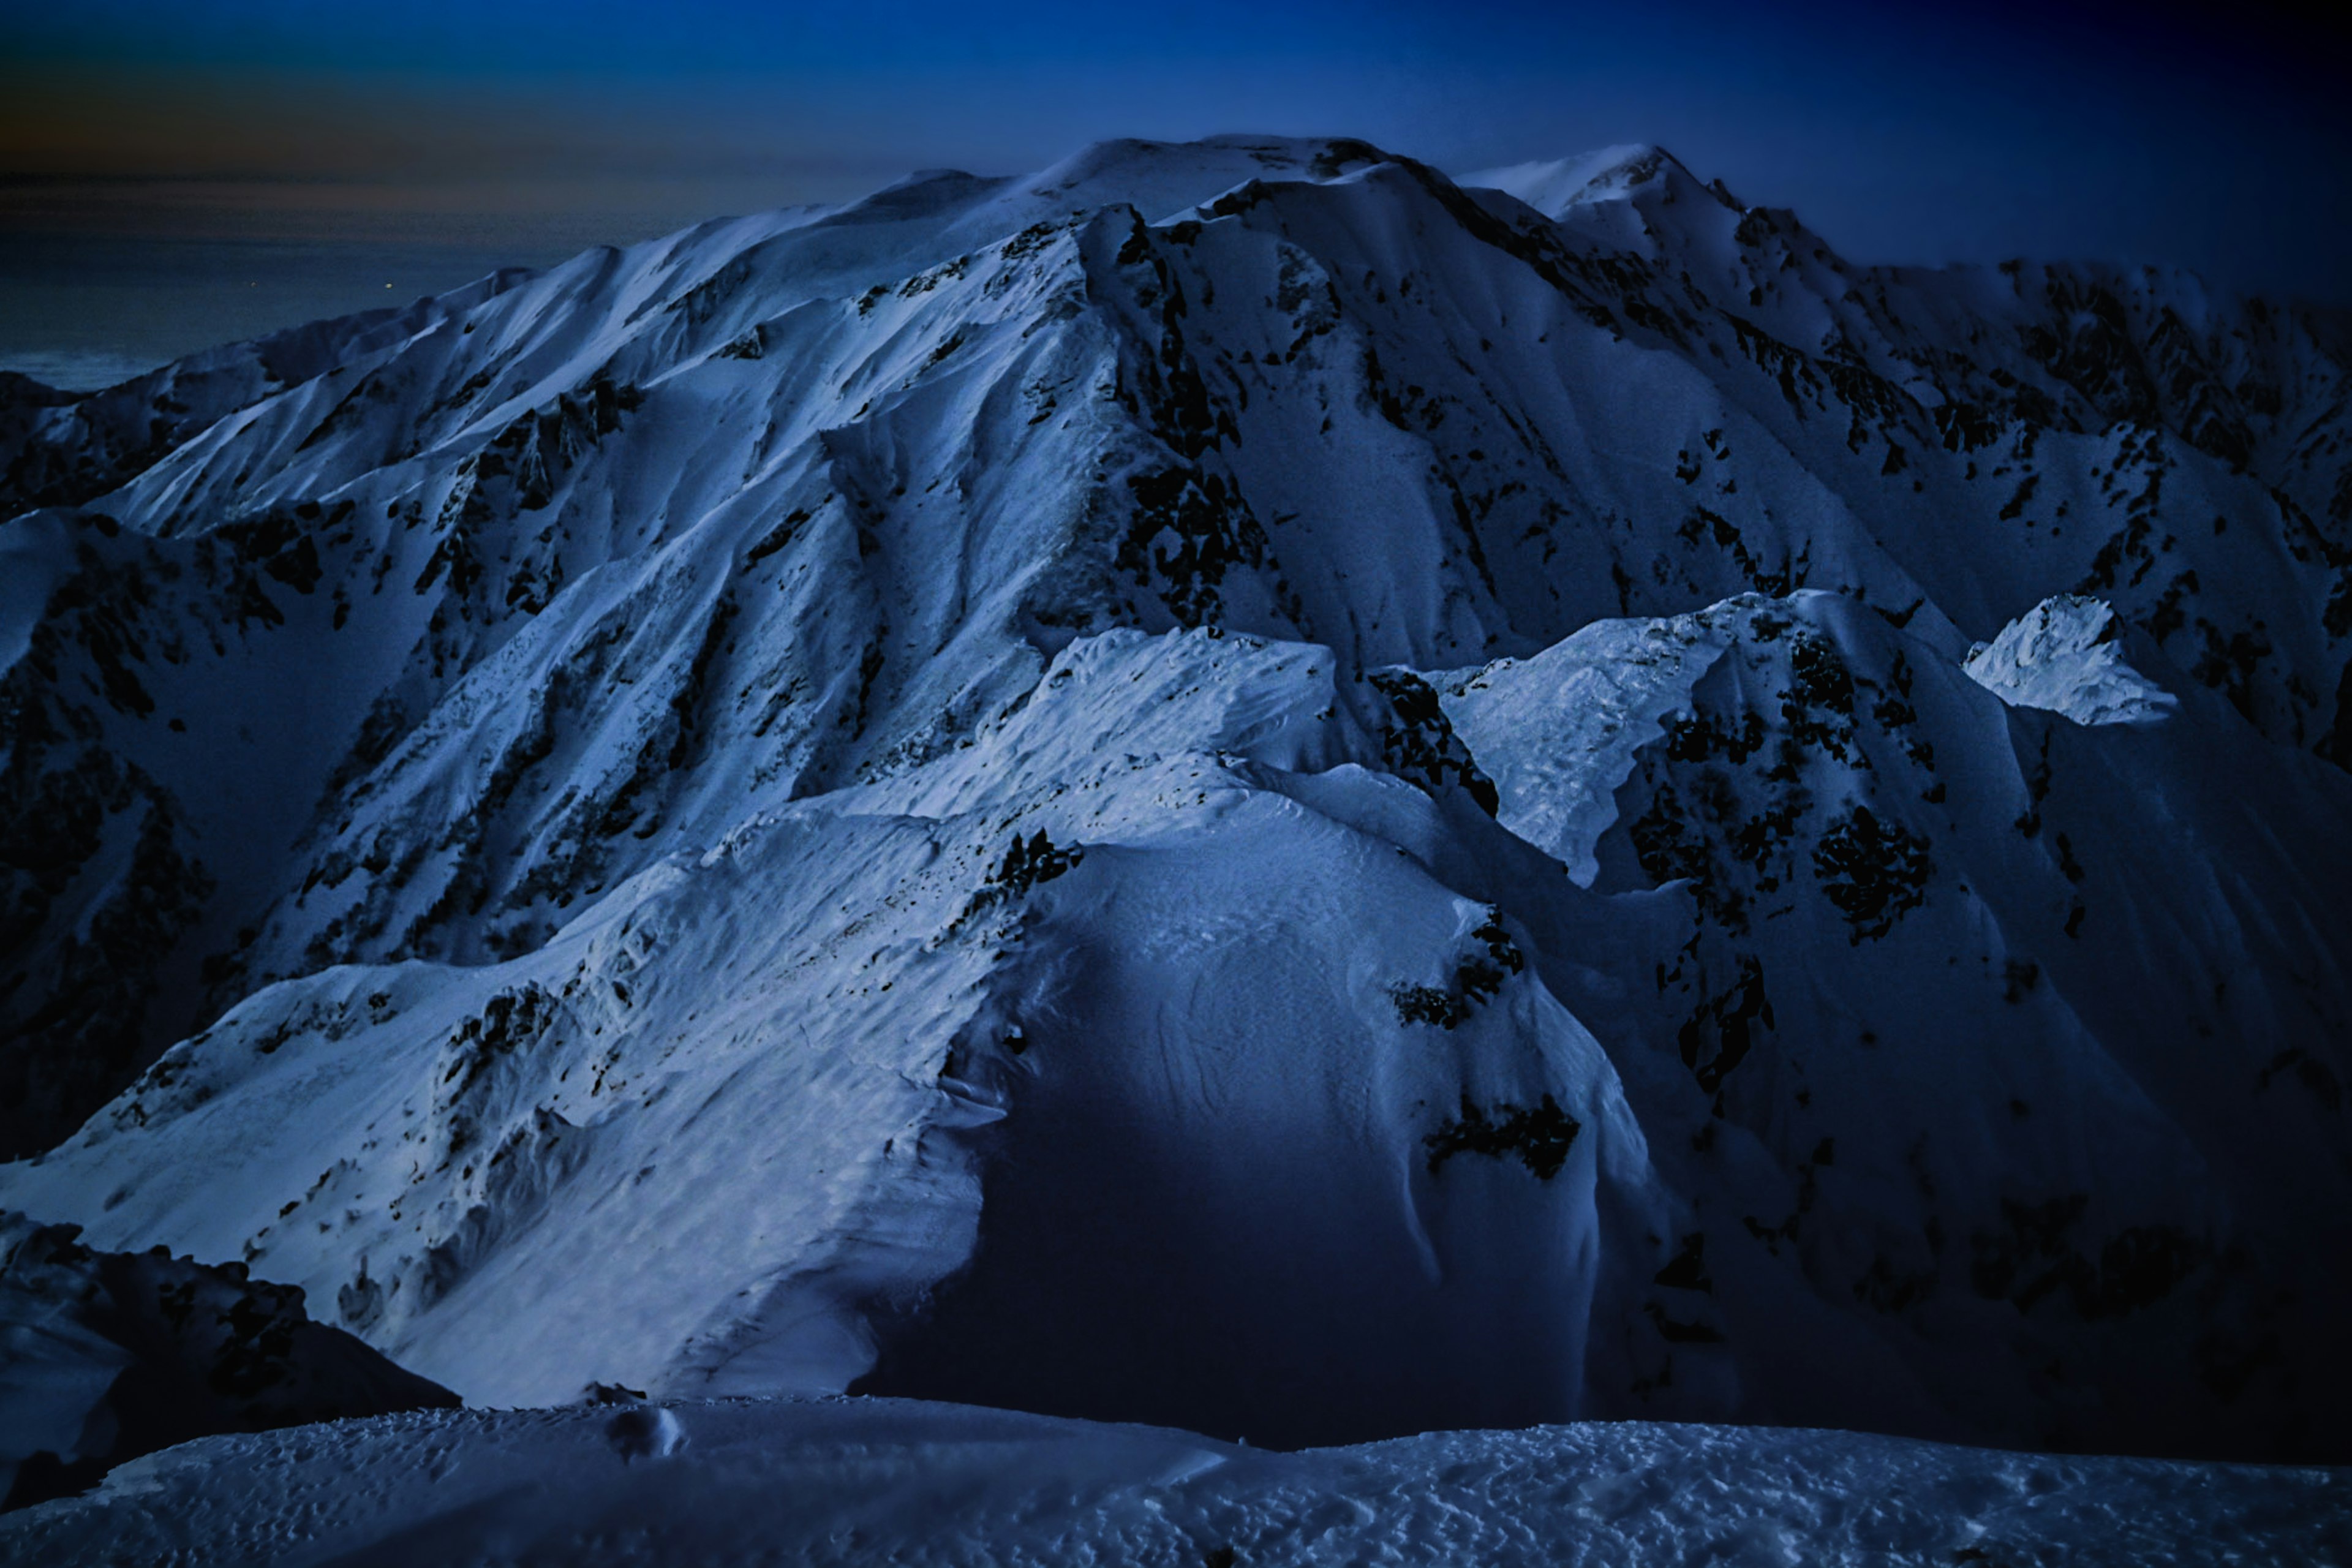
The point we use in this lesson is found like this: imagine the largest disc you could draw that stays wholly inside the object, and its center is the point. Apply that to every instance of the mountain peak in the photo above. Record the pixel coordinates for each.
(1551, 186)
(924, 795)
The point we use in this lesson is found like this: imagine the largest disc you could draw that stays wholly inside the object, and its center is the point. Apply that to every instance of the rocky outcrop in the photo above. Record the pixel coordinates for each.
(113, 1355)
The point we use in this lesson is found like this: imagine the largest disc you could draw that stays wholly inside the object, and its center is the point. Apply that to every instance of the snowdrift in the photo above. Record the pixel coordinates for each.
(889, 1480)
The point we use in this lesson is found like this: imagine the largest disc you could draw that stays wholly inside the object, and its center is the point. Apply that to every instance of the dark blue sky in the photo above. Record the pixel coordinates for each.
(205, 139)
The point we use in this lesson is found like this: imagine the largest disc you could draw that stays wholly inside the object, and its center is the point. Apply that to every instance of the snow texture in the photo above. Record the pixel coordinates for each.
(1552, 186)
(2064, 654)
(888, 1480)
(1233, 784)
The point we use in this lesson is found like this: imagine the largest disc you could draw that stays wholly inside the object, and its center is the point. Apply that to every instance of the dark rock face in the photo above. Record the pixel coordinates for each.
(111, 1355)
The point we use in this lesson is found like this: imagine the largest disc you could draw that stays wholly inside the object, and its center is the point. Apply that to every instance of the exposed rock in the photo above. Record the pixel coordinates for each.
(109, 1355)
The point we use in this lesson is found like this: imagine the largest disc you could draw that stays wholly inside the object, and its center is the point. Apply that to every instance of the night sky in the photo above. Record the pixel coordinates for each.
(177, 173)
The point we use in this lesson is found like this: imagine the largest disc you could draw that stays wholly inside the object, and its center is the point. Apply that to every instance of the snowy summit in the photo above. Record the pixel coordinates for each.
(2063, 655)
(1235, 786)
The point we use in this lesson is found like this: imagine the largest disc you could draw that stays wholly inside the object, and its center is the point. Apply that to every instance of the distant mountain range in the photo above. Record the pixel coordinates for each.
(1233, 784)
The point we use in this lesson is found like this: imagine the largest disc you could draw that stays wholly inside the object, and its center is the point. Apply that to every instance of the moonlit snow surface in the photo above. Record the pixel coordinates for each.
(1231, 785)
(2064, 654)
(889, 1480)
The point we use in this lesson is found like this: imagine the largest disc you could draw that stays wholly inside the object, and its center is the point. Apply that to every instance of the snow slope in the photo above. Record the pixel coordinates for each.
(877, 1480)
(1231, 785)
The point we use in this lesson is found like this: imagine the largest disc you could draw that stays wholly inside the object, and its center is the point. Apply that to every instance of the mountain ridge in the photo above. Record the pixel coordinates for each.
(1233, 516)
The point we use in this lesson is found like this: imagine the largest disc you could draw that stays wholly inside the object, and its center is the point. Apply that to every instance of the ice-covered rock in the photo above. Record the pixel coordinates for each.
(2066, 655)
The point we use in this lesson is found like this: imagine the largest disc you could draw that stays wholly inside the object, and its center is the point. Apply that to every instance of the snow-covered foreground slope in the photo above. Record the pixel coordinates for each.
(889, 1480)
(1233, 786)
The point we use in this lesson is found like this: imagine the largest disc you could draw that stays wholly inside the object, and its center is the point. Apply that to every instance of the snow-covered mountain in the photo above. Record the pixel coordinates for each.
(1233, 784)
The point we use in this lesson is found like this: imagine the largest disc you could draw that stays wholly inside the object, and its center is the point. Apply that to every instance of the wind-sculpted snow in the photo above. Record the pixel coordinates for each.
(1563, 728)
(438, 1151)
(891, 1480)
(2064, 654)
(1234, 784)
